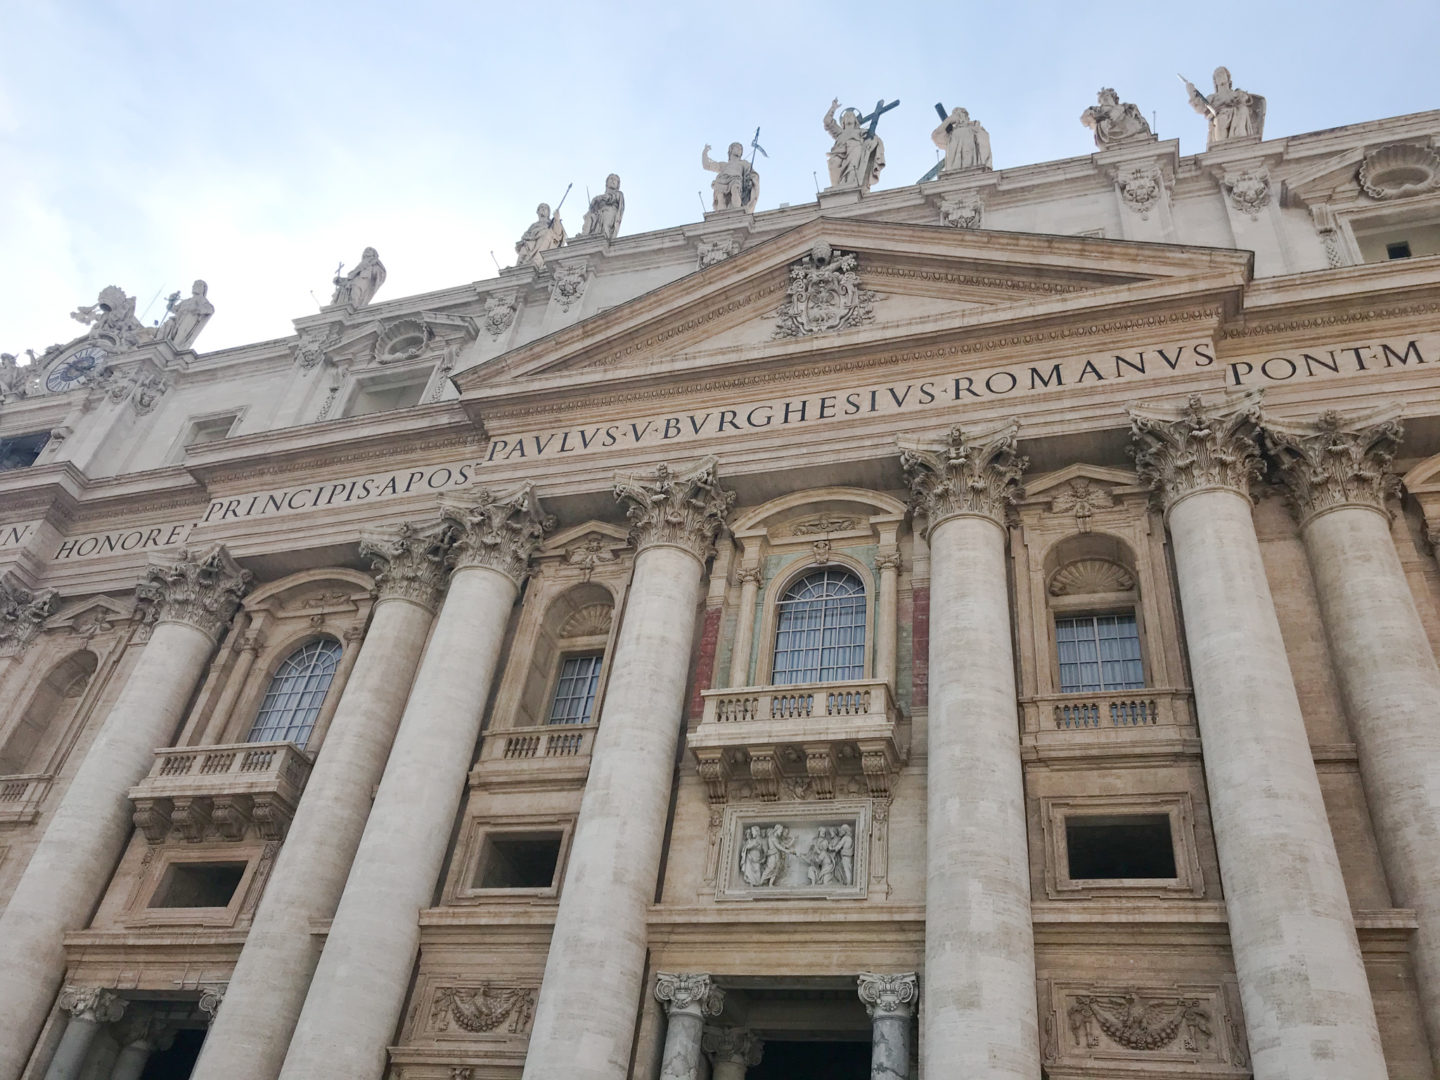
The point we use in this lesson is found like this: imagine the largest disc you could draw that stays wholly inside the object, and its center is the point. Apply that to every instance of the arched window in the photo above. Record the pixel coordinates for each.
(54, 703)
(820, 629)
(296, 693)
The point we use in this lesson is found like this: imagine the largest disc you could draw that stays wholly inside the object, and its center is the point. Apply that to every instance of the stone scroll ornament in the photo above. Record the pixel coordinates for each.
(410, 561)
(92, 1003)
(200, 591)
(1336, 460)
(824, 294)
(1196, 447)
(966, 474)
(890, 995)
(680, 992)
(677, 509)
(497, 530)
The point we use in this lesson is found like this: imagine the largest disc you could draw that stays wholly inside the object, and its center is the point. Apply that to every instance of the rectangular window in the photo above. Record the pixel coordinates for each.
(574, 699)
(20, 451)
(1130, 847)
(1398, 251)
(1099, 652)
(198, 885)
(387, 394)
(518, 861)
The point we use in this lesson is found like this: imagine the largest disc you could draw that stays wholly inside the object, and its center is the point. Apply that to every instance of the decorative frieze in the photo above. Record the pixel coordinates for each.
(483, 1009)
(695, 994)
(685, 510)
(824, 294)
(1197, 447)
(1336, 459)
(499, 531)
(22, 614)
(202, 591)
(965, 475)
(409, 561)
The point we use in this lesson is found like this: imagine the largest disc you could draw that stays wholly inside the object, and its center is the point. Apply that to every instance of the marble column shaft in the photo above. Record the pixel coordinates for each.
(585, 1017)
(249, 1035)
(980, 1010)
(890, 1002)
(688, 999)
(1337, 472)
(360, 982)
(1306, 999)
(90, 1009)
(744, 627)
(72, 865)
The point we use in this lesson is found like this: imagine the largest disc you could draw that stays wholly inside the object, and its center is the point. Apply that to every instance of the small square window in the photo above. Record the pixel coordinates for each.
(1400, 250)
(386, 395)
(1131, 847)
(574, 700)
(1120, 845)
(518, 861)
(198, 885)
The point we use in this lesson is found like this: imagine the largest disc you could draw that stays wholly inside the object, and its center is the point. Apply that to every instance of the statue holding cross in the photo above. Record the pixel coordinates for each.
(858, 154)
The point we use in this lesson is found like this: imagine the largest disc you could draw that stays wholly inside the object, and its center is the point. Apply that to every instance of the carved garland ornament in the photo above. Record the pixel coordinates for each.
(965, 475)
(569, 285)
(888, 995)
(824, 294)
(1181, 451)
(22, 613)
(410, 561)
(962, 211)
(1336, 460)
(1137, 1024)
(483, 1008)
(200, 592)
(685, 510)
(501, 532)
(694, 994)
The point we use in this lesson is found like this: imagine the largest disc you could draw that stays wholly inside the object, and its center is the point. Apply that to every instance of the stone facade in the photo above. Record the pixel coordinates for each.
(984, 628)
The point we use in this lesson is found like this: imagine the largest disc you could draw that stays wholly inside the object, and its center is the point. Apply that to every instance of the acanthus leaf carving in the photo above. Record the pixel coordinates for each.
(1336, 460)
(22, 614)
(202, 592)
(685, 509)
(410, 561)
(736, 1045)
(499, 531)
(965, 474)
(824, 294)
(1196, 447)
(93, 1003)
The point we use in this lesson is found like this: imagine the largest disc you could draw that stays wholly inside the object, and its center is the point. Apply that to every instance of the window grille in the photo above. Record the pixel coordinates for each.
(575, 690)
(1099, 652)
(820, 631)
(296, 693)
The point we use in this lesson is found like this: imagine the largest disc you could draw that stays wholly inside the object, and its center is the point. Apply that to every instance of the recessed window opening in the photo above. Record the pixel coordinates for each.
(518, 861)
(198, 885)
(1135, 846)
(386, 395)
(820, 629)
(1400, 250)
(574, 699)
(1099, 652)
(20, 451)
(296, 694)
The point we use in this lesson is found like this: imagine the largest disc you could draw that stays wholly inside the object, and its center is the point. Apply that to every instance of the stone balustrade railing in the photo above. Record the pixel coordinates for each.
(1114, 710)
(21, 795)
(546, 741)
(221, 791)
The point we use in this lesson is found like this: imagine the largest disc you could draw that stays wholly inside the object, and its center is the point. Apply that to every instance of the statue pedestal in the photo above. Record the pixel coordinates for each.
(732, 216)
(840, 196)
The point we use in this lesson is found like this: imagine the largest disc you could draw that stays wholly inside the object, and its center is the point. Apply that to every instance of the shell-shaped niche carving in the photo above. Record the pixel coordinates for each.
(402, 340)
(1084, 576)
(1398, 170)
(592, 620)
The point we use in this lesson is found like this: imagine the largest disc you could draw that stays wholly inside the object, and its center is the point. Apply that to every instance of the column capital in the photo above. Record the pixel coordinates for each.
(967, 474)
(147, 1030)
(739, 1046)
(1196, 447)
(200, 591)
(497, 530)
(212, 996)
(409, 561)
(1336, 459)
(93, 1003)
(888, 995)
(22, 613)
(688, 993)
(684, 509)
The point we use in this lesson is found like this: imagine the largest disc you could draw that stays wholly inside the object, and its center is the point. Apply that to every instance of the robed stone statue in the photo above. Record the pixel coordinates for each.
(857, 156)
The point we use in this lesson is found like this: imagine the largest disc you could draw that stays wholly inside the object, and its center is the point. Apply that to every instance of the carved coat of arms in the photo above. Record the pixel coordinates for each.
(824, 294)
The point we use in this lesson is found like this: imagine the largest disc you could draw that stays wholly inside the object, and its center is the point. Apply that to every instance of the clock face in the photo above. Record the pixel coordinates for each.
(77, 370)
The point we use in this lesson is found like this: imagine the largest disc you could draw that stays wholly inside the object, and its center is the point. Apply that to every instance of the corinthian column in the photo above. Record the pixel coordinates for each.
(1306, 1000)
(193, 600)
(890, 1001)
(90, 1009)
(360, 982)
(1337, 471)
(732, 1051)
(248, 1037)
(979, 1008)
(585, 1018)
(688, 999)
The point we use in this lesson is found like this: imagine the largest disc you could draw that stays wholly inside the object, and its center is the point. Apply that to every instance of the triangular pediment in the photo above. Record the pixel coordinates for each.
(917, 280)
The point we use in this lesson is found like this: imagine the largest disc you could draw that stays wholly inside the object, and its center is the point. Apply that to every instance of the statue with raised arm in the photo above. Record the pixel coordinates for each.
(966, 142)
(606, 210)
(359, 287)
(112, 318)
(1115, 123)
(184, 319)
(857, 155)
(736, 185)
(1233, 113)
(544, 234)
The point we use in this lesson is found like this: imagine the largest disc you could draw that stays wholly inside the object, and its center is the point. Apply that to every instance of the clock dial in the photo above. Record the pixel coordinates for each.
(76, 371)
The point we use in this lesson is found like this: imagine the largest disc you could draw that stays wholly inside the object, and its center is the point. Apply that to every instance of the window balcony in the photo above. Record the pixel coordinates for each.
(810, 735)
(21, 796)
(543, 756)
(1064, 717)
(201, 791)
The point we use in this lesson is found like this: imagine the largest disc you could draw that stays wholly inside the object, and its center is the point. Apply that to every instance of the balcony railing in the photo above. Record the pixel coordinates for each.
(548, 741)
(200, 791)
(812, 733)
(1118, 710)
(21, 795)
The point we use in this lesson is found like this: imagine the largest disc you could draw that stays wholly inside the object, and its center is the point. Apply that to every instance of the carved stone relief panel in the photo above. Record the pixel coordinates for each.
(800, 852)
(480, 1009)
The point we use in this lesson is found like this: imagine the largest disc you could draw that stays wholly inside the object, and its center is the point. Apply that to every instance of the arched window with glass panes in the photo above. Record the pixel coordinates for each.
(820, 629)
(296, 694)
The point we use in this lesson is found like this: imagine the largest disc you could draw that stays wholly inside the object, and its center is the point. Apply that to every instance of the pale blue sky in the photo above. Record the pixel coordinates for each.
(257, 144)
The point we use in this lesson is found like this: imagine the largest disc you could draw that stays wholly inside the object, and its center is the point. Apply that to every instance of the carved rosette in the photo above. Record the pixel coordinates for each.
(693, 994)
(22, 614)
(1196, 448)
(965, 475)
(1336, 460)
(685, 510)
(889, 995)
(410, 561)
(738, 1046)
(93, 1004)
(201, 592)
(498, 531)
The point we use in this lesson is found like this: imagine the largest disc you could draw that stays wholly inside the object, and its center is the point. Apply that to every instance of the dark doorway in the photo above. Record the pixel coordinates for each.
(813, 1061)
(175, 1063)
